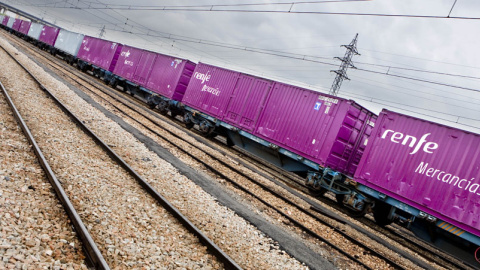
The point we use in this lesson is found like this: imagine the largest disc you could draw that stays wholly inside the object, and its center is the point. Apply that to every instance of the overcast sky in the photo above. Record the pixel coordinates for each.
(403, 47)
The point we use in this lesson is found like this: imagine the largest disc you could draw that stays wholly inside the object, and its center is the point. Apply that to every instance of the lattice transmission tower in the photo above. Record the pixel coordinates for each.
(346, 63)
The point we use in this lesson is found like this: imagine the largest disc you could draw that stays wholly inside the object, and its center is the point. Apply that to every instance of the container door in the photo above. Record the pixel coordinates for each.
(351, 140)
(247, 101)
(144, 68)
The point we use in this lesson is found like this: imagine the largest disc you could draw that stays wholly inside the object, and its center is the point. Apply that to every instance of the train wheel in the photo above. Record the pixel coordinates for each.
(162, 107)
(205, 128)
(381, 213)
(187, 119)
(151, 105)
(339, 198)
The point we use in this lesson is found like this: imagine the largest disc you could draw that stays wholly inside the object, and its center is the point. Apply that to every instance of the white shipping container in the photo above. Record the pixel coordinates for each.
(35, 30)
(69, 42)
(10, 22)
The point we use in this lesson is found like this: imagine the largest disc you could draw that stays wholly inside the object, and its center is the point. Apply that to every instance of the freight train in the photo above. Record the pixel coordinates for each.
(419, 174)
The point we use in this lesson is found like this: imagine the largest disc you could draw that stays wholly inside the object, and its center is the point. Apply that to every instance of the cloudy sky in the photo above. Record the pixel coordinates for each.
(421, 59)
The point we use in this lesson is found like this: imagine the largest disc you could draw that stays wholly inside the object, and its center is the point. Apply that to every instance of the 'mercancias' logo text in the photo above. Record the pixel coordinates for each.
(411, 141)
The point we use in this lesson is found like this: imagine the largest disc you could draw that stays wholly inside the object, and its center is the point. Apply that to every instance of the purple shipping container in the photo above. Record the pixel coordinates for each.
(144, 67)
(24, 27)
(48, 35)
(5, 20)
(325, 129)
(169, 76)
(432, 167)
(99, 52)
(128, 61)
(162, 74)
(16, 24)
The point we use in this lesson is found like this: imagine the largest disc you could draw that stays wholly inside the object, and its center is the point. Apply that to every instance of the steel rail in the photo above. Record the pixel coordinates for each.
(212, 247)
(94, 256)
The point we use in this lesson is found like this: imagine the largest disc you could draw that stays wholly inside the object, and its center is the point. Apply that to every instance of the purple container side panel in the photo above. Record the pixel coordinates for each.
(210, 89)
(327, 130)
(145, 67)
(35, 30)
(247, 101)
(99, 52)
(25, 27)
(5, 20)
(49, 35)
(302, 121)
(128, 60)
(16, 24)
(427, 165)
(169, 76)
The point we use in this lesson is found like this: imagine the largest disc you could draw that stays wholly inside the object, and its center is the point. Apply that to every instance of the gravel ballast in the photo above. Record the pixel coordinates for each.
(35, 232)
(243, 242)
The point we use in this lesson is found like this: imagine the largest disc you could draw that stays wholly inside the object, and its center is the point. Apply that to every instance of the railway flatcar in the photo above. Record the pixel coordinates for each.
(47, 37)
(426, 177)
(315, 135)
(98, 55)
(160, 79)
(67, 45)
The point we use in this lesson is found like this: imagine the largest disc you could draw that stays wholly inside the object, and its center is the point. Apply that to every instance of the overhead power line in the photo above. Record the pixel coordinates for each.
(372, 100)
(154, 7)
(289, 10)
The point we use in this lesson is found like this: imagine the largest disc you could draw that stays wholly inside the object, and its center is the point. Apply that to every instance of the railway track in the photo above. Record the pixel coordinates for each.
(429, 255)
(366, 250)
(393, 232)
(77, 207)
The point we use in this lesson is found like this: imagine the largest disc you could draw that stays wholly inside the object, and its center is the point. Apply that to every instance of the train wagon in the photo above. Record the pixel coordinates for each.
(24, 27)
(98, 55)
(160, 79)
(425, 176)
(67, 45)
(318, 136)
(48, 36)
